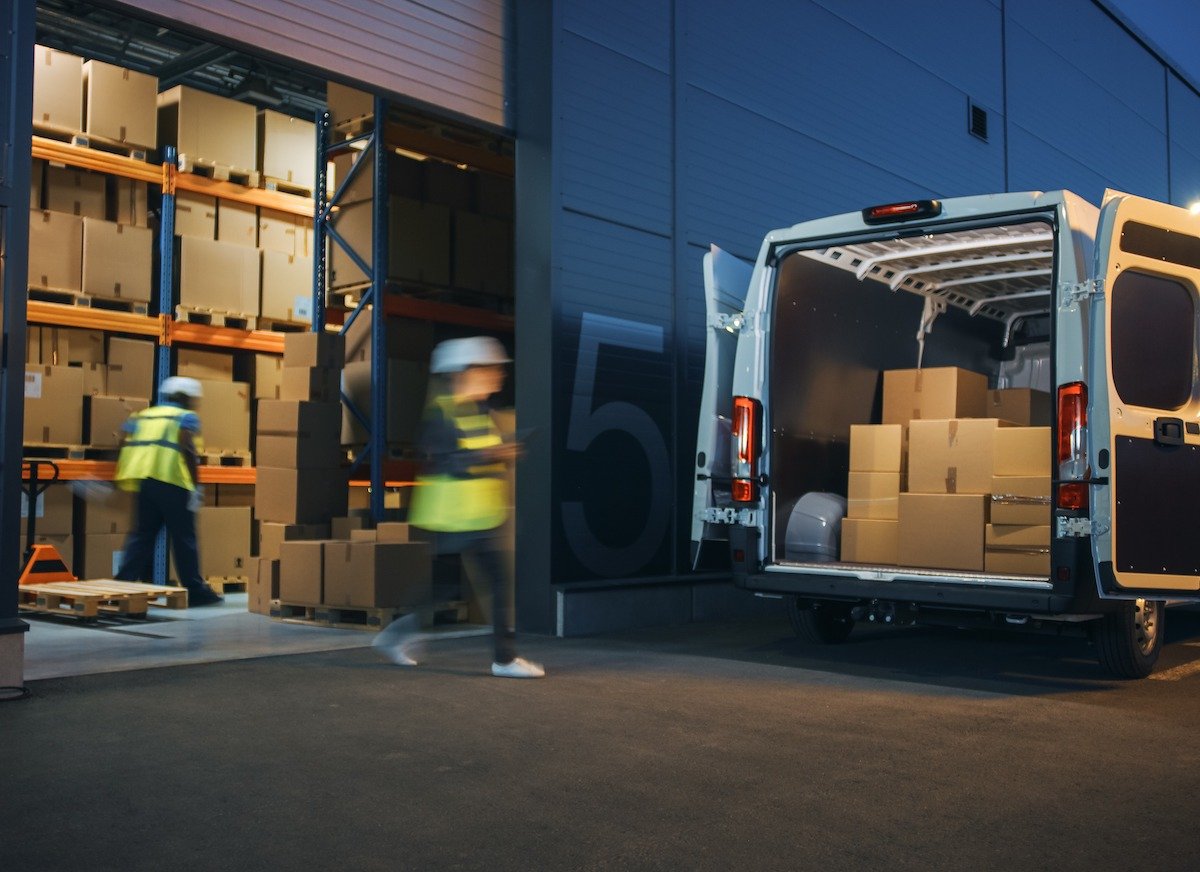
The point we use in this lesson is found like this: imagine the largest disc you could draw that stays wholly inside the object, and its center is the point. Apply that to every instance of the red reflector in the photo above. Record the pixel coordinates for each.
(901, 211)
(1064, 573)
(744, 423)
(743, 490)
(739, 556)
(1073, 496)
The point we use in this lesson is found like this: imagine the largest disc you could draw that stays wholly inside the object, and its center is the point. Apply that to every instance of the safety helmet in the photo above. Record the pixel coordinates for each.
(455, 355)
(179, 384)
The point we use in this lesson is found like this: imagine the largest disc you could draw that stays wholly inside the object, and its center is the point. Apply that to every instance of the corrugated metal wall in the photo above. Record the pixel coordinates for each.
(449, 54)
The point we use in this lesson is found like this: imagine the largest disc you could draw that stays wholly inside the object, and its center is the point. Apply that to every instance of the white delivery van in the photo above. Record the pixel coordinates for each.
(1035, 290)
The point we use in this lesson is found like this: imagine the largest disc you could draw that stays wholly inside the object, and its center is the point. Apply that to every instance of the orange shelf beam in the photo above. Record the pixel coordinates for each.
(63, 315)
(225, 337)
(276, 200)
(402, 306)
(92, 159)
(104, 470)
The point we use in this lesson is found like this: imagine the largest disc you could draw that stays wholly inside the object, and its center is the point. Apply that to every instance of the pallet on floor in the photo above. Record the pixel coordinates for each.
(225, 457)
(96, 143)
(285, 187)
(347, 618)
(88, 301)
(88, 600)
(224, 584)
(218, 172)
(215, 317)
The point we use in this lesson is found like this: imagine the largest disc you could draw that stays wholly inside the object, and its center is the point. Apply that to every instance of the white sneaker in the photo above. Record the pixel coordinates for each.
(400, 642)
(518, 668)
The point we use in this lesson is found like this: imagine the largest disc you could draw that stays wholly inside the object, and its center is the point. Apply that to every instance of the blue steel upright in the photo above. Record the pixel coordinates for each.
(166, 306)
(379, 274)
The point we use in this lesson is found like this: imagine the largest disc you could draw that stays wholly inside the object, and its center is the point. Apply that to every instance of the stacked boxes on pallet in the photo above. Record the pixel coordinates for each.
(409, 346)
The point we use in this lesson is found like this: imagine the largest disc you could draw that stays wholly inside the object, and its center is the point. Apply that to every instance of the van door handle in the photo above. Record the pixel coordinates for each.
(1168, 431)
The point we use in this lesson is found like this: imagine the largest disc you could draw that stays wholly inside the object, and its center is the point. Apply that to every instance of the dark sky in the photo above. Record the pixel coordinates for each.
(1172, 26)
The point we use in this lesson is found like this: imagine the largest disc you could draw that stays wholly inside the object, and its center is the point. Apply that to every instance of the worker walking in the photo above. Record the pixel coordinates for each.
(463, 495)
(158, 460)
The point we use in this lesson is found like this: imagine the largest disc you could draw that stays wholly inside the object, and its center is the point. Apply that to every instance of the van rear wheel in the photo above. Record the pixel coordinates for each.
(818, 622)
(1130, 640)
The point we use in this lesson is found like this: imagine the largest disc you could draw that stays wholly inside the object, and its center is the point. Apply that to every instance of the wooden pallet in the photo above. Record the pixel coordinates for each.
(88, 301)
(60, 451)
(96, 143)
(228, 583)
(215, 317)
(88, 600)
(218, 172)
(227, 457)
(345, 618)
(285, 187)
(280, 325)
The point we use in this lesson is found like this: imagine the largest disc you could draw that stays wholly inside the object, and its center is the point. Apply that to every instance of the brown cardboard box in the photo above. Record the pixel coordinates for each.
(208, 129)
(340, 528)
(95, 382)
(33, 344)
(1022, 451)
(132, 204)
(130, 367)
(53, 405)
(877, 447)
(205, 365)
(68, 345)
(120, 104)
(1021, 500)
(106, 417)
(264, 585)
(113, 515)
(447, 184)
(942, 531)
(268, 376)
(347, 104)
(54, 510)
(224, 412)
(301, 572)
(117, 260)
(287, 148)
(271, 535)
(393, 531)
(37, 177)
(227, 495)
(298, 434)
(954, 456)
(870, 541)
(100, 555)
(483, 253)
(936, 392)
(406, 338)
(405, 177)
(279, 231)
(407, 385)
(418, 242)
(1022, 406)
(237, 223)
(1017, 550)
(55, 251)
(218, 275)
(287, 287)
(310, 348)
(308, 496)
(195, 215)
(363, 535)
(57, 88)
(76, 192)
(318, 384)
(371, 575)
(224, 537)
(873, 495)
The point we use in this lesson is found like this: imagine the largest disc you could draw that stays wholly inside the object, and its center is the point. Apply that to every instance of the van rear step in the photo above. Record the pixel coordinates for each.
(875, 572)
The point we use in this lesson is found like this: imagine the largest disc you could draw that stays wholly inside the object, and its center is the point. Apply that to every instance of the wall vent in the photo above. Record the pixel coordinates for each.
(977, 121)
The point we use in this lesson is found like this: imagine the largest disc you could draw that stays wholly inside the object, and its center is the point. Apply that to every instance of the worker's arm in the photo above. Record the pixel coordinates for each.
(187, 444)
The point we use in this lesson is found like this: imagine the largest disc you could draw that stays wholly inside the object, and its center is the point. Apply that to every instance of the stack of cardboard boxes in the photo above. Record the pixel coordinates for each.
(224, 408)
(940, 485)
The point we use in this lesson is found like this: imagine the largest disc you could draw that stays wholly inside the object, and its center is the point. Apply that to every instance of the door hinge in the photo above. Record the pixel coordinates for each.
(742, 517)
(1071, 294)
(732, 323)
(1068, 528)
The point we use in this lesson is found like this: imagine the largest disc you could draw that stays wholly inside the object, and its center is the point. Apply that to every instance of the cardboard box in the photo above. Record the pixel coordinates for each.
(877, 447)
(405, 338)
(120, 104)
(67, 345)
(936, 392)
(224, 412)
(310, 348)
(57, 88)
(347, 104)
(873, 495)
(341, 528)
(53, 405)
(363, 535)
(316, 384)
(307, 496)
(418, 243)
(1022, 451)
(55, 251)
(264, 585)
(870, 541)
(195, 215)
(302, 572)
(237, 223)
(483, 254)
(117, 260)
(113, 515)
(405, 177)
(1021, 500)
(130, 367)
(268, 376)
(942, 531)
(279, 231)
(105, 419)
(76, 192)
(287, 149)
(204, 365)
(218, 275)
(287, 283)
(271, 535)
(132, 203)
(449, 186)
(33, 344)
(393, 531)
(100, 555)
(54, 510)
(95, 382)
(371, 575)
(224, 537)
(1023, 406)
(954, 456)
(37, 176)
(1017, 550)
(226, 495)
(407, 385)
(207, 129)
(298, 434)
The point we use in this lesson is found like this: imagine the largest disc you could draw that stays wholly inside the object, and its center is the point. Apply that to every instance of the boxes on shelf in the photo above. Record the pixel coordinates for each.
(300, 496)
(95, 382)
(942, 531)
(68, 345)
(287, 282)
(37, 175)
(935, 392)
(448, 185)
(54, 510)
(268, 376)
(105, 417)
(132, 203)
(282, 232)
(237, 223)
(418, 242)
(1021, 500)
(308, 348)
(951, 456)
(226, 495)
(206, 365)
(287, 149)
(76, 192)
(406, 338)
(341, 528)
(302, 571)
(195, 215)
(33, 344)
(55, 251)
(120, 104)
(1022, 406)
(272, 534)
(111, 515)
(219, 276)
(264, 585)
(100, 555)
(130, 367)
(1018, 550)
(407, 384)
(207, 129)
(316, 384)
(373, 574)
(483, 254)
(224, 412)
(348, 104)
(57, 88)
(867, 540)
(53, 405)
(117, 260)
(298, 435)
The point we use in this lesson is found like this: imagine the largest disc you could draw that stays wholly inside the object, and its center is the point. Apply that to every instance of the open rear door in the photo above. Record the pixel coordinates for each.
(726, 280)
(1145, 394)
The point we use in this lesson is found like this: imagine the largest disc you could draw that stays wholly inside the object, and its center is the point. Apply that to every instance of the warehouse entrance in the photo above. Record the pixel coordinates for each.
(201, 261)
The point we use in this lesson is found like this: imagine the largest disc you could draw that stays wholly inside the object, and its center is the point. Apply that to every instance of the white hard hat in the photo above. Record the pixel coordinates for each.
(179, 384)
(455, 355)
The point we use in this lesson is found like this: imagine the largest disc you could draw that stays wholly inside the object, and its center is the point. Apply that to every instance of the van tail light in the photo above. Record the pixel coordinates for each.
(747, 426)
(1072, 446)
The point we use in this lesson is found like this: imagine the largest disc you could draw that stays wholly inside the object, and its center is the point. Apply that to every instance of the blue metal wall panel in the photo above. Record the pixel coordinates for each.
(1037, 166)
(1184, 106)
(638, 29)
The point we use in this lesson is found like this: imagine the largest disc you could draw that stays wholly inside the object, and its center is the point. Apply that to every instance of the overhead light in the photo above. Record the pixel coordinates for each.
(415, 155)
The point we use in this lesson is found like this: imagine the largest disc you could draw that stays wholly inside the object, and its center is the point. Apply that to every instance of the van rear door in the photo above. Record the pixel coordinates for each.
(1145, 400)
(726, 281)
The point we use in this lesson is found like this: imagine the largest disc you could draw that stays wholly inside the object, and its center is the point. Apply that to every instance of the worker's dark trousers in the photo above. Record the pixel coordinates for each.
(160, 504)
(484, 554)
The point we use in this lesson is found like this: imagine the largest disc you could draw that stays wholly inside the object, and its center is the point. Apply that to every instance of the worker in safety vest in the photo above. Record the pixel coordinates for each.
(158, 460)
(463, 494)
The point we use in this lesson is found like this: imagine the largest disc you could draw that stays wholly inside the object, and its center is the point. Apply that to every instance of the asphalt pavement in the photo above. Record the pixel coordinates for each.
(701, 747)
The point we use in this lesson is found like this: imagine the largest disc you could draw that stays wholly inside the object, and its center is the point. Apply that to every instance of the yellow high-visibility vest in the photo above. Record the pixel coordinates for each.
(153, 450)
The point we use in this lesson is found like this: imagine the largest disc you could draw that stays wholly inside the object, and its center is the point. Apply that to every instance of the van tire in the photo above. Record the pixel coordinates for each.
(1130, 640)
(820, 623)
